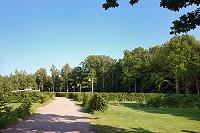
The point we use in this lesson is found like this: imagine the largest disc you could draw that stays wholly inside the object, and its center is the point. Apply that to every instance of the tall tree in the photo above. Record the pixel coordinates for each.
(41, 76)
(31, 81)
(117, 74)
(55, 77)
(16, 82)
(176, 55)
(76, 77)
(65, 76)
(132, 66)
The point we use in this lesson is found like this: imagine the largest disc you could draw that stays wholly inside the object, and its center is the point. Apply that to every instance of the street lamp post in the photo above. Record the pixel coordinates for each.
(73, 88)
(80, 86)
(92, 84)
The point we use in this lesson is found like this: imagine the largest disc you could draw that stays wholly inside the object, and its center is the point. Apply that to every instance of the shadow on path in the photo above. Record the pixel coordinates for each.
(49, 123)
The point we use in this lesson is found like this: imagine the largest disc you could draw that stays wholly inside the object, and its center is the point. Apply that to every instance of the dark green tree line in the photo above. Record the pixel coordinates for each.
(173, 67)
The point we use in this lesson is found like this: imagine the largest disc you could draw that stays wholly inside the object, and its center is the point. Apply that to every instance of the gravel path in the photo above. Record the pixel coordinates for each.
(60, 116)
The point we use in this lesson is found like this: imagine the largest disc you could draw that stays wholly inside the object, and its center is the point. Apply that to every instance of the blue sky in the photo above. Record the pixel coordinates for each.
(38, 33)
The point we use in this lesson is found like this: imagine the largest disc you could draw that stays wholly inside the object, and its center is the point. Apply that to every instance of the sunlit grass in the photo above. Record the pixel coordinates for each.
(130, 117)
(33, 107)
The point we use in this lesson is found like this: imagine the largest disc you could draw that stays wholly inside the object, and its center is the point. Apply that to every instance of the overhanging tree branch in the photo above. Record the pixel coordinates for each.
(186, 22)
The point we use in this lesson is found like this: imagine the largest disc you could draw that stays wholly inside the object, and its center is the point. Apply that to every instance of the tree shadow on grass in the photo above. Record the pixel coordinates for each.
(189, 131)
(191, 114)
(110, 129)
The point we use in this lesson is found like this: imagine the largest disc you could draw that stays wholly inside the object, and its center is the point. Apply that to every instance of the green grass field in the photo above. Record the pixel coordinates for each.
(33, 108)
(130, 117)
(15, 115)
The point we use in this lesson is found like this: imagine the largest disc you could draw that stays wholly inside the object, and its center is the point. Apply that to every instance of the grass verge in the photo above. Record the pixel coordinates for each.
(130, 117)
(18, 112)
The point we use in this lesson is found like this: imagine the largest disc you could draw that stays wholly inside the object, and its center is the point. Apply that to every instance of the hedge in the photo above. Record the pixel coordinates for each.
(151, 99)
(22, 97)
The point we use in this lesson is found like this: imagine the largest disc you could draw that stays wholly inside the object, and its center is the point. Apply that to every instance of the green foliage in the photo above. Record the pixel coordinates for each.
(51, 94)
(131, 118)
(78, 97)
(187, 21)
(9, 116)
(173, 67)
(23, 97)
(71, 95)
(151, 99)
(97, 103)
(55, 73)
(61, 94)
(173, 100)
(65, 72)
(86, 98)
(44, 98)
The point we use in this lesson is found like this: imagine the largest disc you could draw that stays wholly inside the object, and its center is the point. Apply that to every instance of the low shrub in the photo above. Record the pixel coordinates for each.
(61, 94)
(9, 116)
(44, 98)
(5, 112)
(78, 97)
(51, 94)
(151, 99)
(155, 101)
(22, 97)
(97, 103)
(71, 95)
(172, 100)
(86, 98)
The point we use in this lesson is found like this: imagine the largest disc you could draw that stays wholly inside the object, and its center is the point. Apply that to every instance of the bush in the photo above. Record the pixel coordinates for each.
(97, 103)
(86, 98)
(44, 98)
(172, 100)
(155, 102)
(61, 94)
(152, 99)
(5, 112)
(71, 95)
(78, 96)
(9, 116)
(51, 94)
(22, 97)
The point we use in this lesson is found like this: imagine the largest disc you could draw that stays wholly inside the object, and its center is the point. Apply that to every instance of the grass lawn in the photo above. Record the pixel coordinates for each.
(130, 117)
(33, 108)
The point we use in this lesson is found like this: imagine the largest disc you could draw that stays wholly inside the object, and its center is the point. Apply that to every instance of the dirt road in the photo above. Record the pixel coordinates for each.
(60, 116)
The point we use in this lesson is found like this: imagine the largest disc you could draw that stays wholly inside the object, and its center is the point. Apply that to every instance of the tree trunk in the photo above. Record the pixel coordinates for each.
(135, 86)
(42, 87)
(103, 82)
(112, 81)
(197, 84)
(53, 86)
(187, 90)
(116, 88)
(67, 86)
(177, 89)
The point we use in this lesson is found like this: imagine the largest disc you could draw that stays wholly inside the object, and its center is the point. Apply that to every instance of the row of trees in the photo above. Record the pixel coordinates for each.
(173, 67)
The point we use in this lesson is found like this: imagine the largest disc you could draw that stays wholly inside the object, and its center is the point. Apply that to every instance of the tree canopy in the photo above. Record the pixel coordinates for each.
(186, 22)
(173, 67)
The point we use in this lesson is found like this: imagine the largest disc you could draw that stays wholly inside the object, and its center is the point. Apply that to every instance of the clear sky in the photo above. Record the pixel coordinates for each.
(38, 33)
